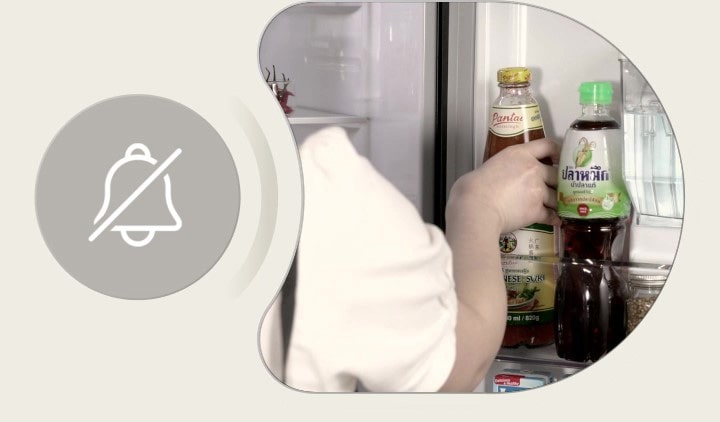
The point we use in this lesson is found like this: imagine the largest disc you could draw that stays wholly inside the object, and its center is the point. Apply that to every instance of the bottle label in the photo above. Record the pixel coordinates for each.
(590, 182)
(512, 121)
(530, 283)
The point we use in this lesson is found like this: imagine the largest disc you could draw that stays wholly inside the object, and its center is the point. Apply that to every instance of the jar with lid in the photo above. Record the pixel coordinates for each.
(530, 284)
(643, 290)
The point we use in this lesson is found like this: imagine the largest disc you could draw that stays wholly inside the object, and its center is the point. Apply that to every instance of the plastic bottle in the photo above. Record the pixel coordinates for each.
(593, 204)
(515, 119)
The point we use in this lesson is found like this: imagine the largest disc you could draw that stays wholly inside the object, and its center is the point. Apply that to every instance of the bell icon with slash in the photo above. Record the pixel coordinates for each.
(131, 180)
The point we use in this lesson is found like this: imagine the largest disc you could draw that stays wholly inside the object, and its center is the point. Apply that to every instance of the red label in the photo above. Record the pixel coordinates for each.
(583, 210)
(505, 379)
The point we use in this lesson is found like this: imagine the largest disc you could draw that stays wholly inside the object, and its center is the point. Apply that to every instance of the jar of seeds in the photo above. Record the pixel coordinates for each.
(643, 289)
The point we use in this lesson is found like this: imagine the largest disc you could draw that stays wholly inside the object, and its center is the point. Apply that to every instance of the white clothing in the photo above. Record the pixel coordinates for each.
(375, 300)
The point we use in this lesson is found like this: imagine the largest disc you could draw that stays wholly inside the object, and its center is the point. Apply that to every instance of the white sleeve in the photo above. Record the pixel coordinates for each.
(376, 299)
(271, 342)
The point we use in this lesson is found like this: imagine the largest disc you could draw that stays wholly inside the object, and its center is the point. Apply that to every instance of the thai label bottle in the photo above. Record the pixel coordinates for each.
(590, 307)
(515, 119)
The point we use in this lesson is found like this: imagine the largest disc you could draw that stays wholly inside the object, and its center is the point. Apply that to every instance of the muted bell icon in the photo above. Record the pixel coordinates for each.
(133, 204)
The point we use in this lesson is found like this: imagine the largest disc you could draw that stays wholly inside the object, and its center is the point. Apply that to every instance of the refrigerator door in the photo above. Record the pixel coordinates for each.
(561, 54)
(370, 68)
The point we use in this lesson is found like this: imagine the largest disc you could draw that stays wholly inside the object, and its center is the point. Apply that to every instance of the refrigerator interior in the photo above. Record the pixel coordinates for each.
(372, 68)
(561, 54)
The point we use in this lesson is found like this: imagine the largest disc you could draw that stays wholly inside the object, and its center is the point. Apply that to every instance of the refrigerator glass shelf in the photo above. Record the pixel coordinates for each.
(308, 116)
(325, 8)
(544, 355)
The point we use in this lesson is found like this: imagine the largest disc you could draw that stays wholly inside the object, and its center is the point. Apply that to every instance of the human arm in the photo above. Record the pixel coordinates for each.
(509, 191)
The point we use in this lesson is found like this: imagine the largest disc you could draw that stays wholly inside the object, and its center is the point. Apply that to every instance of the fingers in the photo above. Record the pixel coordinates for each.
(547, 212)
(542, 148)
(550, 175)
(549, 216)
(550, 198)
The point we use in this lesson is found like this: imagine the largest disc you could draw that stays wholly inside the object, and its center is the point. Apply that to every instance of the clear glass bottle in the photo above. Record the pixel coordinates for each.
(515, 116)
(515, 119)
(643, 290)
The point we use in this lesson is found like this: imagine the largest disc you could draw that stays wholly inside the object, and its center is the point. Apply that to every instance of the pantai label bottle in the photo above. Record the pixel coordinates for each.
(515, 118)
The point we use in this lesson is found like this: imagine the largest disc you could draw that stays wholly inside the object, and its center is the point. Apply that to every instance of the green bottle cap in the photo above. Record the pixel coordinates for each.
(596, 93)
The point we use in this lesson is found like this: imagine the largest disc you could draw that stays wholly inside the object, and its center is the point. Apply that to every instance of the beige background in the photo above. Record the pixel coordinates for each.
(68, 353)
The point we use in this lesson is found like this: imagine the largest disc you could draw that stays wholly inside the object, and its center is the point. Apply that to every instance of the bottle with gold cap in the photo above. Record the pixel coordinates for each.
(515, 118)
(515, 115)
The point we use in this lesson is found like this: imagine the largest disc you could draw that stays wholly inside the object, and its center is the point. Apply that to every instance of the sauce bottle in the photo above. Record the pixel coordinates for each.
(515, 119)
(590, 296)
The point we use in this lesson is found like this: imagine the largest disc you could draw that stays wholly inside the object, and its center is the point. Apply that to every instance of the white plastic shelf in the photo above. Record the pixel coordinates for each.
(308, 116)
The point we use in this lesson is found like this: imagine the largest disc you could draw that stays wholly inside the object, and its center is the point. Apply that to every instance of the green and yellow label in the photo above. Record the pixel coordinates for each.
(530, 283)
(590, 183)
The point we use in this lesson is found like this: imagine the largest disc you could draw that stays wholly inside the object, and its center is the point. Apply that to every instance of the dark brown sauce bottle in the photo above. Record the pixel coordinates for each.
(590, 295)
(590, 309)
(515, 119)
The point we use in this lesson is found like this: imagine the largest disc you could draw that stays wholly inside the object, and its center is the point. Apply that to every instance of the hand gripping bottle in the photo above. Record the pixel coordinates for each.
(515, 119)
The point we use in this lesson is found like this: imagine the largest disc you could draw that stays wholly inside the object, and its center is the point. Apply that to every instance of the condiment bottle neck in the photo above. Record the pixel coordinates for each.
(595, 112)
(514, 89)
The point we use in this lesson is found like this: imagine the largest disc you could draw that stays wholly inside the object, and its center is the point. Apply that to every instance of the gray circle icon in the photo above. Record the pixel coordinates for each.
(137, 197)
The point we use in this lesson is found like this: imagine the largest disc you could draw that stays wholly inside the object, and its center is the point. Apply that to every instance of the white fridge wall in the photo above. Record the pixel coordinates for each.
(560, 52)
(323, 50)
(369, 60)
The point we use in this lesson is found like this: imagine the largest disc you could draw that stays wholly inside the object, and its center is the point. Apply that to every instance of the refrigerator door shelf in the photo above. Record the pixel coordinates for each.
(651, 165)
(544, 356)
(309, 116)
(325, 8)
(554, 372)
(653, 244)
